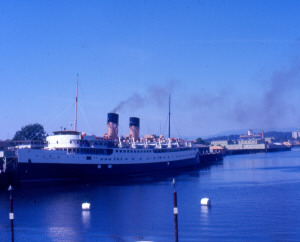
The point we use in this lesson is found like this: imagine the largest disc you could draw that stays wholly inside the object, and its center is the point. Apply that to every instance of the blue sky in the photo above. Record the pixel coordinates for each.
(229, 65)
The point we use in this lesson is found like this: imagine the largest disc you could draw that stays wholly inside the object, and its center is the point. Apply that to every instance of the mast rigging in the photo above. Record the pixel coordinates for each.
(76, 101)
(169, 116)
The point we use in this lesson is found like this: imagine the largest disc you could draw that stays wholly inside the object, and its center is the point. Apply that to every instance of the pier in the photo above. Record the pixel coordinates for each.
(207, 156)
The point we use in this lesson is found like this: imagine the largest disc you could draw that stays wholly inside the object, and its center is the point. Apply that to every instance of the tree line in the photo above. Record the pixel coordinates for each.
(30, 132)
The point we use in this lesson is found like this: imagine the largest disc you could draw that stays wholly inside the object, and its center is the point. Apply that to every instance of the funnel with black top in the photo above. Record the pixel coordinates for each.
(134, 128)
(112, 125)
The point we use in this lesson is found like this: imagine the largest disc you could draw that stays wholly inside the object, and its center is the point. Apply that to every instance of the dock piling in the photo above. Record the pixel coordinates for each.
(175, 209)
(11, 214)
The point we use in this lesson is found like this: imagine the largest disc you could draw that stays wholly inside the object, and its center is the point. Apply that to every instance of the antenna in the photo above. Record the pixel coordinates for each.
(76, 101)
(170, 116)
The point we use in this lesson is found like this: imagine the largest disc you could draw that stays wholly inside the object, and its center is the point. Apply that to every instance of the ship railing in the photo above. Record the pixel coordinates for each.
(4, 164)
(159, 144)
(120, 145)
(169, 143)
(133, 145)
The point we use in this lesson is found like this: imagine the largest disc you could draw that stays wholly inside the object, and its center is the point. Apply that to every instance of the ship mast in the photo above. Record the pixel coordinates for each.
(169, 116)
(76, 101)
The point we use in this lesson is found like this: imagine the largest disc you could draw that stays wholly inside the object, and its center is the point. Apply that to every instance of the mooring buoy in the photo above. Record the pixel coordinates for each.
(85, 206)
(205, 201)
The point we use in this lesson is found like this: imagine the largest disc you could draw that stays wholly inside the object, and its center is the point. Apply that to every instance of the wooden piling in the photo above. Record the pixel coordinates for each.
(175, 209)
(11, 214)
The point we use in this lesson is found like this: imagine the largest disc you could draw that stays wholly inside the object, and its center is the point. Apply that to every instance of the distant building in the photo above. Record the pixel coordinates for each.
(240, 144)
(245, 142)
(269, 140)
(216, 149)
(222, 143)
(251, 143)
(252, 135)
(296, 134)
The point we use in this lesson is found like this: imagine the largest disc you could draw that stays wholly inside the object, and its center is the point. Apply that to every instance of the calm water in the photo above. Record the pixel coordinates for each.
(254, 197)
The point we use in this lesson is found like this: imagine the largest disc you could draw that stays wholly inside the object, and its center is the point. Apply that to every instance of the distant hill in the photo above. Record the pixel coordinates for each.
(224, 137)
(279, 136)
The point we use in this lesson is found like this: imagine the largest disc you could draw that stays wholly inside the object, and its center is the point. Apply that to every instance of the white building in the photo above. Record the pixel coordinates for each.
(222, 143)
(241, 144)
(296, 134)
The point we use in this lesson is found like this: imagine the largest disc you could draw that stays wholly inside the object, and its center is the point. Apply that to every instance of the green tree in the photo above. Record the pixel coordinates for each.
(201, 141)
(31, 132)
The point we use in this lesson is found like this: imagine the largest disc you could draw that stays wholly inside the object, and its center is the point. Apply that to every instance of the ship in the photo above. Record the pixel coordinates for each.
(70, 154)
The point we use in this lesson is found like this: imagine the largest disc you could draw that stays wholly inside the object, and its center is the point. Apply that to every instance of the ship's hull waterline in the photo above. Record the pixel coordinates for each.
(43, 171)
(47, 165)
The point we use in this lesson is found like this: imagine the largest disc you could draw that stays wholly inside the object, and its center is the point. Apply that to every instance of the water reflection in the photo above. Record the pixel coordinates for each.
(204, 211)
(86, 218)
(205, 218)
(61, 233)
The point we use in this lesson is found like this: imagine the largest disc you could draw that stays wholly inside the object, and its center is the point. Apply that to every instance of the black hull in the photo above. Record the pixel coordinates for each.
(279, 149)
(40, 171)
(210, 158)
(249, 151)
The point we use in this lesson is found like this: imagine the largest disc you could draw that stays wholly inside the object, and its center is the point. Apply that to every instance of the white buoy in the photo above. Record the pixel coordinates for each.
(86, 206)
(205, 201)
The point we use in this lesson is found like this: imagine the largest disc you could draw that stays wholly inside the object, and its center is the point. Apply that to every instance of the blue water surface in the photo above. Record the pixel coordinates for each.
(254, 197)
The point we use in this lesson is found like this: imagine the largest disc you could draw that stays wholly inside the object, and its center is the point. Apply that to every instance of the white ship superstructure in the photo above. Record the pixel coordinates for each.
(73, 148)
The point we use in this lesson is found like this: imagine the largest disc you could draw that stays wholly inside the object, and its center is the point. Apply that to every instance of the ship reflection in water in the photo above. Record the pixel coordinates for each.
(61, 233)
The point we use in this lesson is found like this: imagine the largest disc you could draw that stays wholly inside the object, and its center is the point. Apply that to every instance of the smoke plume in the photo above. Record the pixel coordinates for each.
(155, 94)
(134, 102)
(274, 105)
